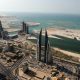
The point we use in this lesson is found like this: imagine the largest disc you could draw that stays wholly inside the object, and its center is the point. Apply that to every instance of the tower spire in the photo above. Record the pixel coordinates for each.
(43, 54)
(46, 46)
(40, 40)
(39, 45)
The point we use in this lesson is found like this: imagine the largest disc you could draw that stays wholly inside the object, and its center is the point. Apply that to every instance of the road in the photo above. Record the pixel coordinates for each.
(8, 71)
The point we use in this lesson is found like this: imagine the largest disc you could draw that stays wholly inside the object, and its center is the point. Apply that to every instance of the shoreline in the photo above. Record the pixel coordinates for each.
(68, 33)
(69, 53)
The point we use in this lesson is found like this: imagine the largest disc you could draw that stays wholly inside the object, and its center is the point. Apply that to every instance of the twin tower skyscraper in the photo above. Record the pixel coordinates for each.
(25, 28)
(43, 48)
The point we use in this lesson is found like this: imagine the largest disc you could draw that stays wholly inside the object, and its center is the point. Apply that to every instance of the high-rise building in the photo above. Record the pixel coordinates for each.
(39, 46)
(48, 55)
(25, 28)
(43, 52)
(46, 47)
(1, 29)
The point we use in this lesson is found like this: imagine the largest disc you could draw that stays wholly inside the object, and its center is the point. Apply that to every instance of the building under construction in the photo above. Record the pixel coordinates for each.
(43, 51)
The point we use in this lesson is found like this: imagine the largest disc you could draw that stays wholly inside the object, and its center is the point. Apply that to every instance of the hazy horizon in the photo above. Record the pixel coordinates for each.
(41, 6)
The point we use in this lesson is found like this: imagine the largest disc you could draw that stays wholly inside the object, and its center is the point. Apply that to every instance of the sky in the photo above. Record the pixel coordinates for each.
(41, 6)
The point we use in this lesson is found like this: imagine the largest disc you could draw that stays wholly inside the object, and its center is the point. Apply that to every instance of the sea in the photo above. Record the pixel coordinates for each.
(64, 21)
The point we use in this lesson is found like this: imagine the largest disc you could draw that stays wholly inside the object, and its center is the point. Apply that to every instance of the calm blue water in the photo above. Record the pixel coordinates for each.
(50, 20)
(56, 21)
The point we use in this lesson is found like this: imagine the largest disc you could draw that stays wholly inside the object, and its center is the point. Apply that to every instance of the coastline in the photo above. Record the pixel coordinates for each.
(69, 53)
(71, 34)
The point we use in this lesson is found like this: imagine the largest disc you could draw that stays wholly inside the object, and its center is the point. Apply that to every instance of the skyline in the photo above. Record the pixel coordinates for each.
(41, 6)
